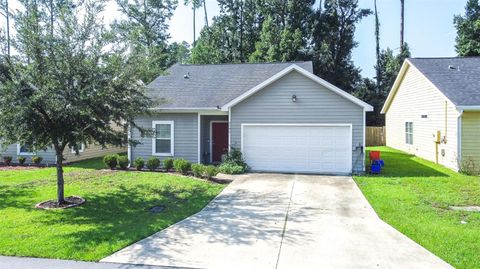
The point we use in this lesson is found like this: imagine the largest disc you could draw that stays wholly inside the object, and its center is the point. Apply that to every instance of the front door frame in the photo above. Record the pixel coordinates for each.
(211, 128)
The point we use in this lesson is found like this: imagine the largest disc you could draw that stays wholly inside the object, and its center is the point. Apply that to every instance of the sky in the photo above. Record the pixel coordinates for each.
(429, 29)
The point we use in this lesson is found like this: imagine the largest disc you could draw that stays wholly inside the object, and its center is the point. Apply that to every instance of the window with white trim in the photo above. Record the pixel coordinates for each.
(162, 144)
(24, 150)
(80, 149)
(409, 133)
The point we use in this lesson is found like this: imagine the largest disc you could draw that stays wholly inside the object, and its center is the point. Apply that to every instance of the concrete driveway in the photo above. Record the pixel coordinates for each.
(282, 221)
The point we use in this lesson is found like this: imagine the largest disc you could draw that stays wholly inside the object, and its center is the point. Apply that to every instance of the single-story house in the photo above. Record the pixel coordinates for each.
(49, 156)
(280, 115)
(433, 110)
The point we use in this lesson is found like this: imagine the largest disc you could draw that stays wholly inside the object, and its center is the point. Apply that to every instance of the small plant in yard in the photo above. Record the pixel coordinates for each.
(231, 168)
(123, 162)
(153, 163)
(111, 160)
(198, 169)
(181, 165)
(467, 166)
(21, 160)
(7, 160)
(139, 163)
(234, 163)
(210, 171)
(168, 164)
(37, 159)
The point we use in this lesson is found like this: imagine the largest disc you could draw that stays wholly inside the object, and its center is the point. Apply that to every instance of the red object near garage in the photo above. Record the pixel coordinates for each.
(374, 155)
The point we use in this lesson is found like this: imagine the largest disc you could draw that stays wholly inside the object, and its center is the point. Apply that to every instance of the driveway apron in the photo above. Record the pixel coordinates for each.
(282, 221)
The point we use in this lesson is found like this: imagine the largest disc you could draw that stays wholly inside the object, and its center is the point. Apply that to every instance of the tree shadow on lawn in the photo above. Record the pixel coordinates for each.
(117, 219)
(398, 164)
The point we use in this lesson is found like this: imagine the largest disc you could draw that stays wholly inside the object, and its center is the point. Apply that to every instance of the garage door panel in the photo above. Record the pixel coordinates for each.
(316, 148)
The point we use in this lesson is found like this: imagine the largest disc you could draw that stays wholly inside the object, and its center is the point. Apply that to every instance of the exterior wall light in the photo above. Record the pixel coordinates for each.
(294, 98)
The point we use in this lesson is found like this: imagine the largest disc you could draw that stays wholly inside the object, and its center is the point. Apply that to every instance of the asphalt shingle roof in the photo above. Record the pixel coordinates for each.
(209, 86)
(458, 78)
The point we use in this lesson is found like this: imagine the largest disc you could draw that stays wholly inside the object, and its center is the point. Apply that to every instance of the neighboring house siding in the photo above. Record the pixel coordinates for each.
(315, 104)
(185, 136)
(471, 139)
(91, 151)
(415, 97)
(47, 155)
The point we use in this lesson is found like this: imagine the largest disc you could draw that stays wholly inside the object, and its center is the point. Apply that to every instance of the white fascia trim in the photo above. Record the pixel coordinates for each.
(304, 72)
(468, 108)
(185, 109)
(172, 138)
(399, 79)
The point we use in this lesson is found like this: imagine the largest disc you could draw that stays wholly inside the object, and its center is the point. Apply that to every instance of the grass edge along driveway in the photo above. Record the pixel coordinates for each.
(116, 213)
(413, 195)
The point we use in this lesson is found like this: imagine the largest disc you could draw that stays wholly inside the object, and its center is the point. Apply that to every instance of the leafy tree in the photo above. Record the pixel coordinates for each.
(144, 33)
(468, 30)
(333, 42)
(66, 87)
(268, 46)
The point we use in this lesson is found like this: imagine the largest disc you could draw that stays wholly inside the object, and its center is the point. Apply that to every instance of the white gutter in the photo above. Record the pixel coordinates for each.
(468, 108)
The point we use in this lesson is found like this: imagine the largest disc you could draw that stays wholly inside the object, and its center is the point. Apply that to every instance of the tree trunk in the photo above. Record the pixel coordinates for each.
(7, 15)
(205, 10)
(402, 22)
(193, 7)
(377, 41)
(60, 181)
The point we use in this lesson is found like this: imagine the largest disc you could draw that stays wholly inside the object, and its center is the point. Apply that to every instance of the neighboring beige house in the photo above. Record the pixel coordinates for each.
(433, 111)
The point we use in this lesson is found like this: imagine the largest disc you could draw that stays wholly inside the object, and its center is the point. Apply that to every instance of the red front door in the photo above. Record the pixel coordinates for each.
(219, 140)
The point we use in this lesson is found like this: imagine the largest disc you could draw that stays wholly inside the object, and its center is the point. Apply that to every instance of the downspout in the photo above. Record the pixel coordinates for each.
(459, 139)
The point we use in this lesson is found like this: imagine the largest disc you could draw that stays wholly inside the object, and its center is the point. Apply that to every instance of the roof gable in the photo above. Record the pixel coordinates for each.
(309, 75)
(211, 86)
(456, 78)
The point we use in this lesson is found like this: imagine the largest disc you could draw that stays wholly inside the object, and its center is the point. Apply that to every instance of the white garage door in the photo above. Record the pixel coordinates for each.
(298, 148)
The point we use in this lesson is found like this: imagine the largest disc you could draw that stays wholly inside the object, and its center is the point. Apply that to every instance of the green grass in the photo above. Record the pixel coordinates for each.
(413, 195)
(115, 215)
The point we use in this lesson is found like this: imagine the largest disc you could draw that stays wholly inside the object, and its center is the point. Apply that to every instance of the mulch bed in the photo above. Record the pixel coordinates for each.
(18, 167)
(70, 201)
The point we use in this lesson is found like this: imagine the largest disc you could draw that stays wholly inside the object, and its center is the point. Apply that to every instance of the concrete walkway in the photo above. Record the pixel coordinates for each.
(282, 221)
(36, 263)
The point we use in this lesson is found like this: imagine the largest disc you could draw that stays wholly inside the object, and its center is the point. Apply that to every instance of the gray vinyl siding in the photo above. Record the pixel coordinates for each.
(315, 104)
(205, 135)
(185, 136)
(47, 155)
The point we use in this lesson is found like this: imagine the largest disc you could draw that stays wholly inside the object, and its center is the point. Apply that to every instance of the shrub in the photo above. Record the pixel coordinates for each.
(181, 165)
(198, 169)
(153, 163)
(123, 162)
(235, 156)
(21, 160)
(139, 163)
(168, 164)
(37, 159)
(231, 168)
(467, 166)
(7, 160)
(111, 160)
(210, 171)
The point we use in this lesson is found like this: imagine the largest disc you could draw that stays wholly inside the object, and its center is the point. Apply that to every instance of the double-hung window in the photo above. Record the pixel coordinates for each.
(24, 150)
(409, 133)
(80, 149)
(163, 140)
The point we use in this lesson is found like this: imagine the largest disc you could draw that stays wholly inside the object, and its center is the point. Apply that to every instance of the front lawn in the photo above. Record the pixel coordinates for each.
(413, 195)
(116, 213)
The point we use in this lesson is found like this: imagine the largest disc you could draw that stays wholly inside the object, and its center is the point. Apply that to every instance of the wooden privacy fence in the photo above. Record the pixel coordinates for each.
(375, 136)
